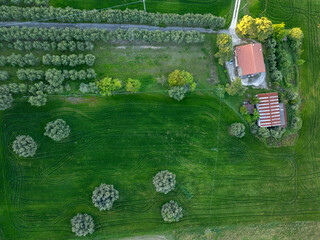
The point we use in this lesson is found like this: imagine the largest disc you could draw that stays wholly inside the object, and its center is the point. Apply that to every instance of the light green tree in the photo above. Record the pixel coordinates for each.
(181, 78)
(235, 87)
(57, 130)
(107, 85)
(24, 146)
(133, 85)
(237, 130)
(104, 196)
(177, 92)
(82, 224)
(225, 53)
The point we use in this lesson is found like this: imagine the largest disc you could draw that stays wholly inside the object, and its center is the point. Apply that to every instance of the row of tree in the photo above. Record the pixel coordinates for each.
(4, 76)
(62, 46)
(68, 60)
(12, 34)
(25, 2)
(133, 16)
(18, 60)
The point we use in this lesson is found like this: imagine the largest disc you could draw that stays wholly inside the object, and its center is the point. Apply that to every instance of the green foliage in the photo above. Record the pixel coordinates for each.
(17, 60)
(4, 76)
(164, 181)
(30, 74)
(107, 85)
(178, 92)
(225, 53)
(38, 100)
(68, 60)
(236, 87)
(133, 85)
(256, 115)
(82, 224)
(244, 110)
(181, 78)
(171, 212)
(254, 100)
(104, 196)
(24, 146)
(57, 130)
(219, 90)
(13, 13)
(6, 100)
(264, 132)
(237, 130)
(254, 128)
(277, 132)
(88, 88)
(296, 34)
(278, 31)
(296, 123)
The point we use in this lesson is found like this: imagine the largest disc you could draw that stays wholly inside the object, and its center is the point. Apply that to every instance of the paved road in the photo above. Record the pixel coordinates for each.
(232, 29)
(106, 26)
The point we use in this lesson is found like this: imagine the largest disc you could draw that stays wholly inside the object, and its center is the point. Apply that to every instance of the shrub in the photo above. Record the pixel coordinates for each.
(219, 90)
(24, 146)
(235, 87)
(30, 74)
(181, 78)
(57, 130)
(178, 92)
(171, 212)
(107, 85)
(6, 100)
(164, 181)
(82, 224)
(296, 123)
(38, 100)
(104, 196)
(225, 53)
(264, 132)
(237, 130)
(133, 85)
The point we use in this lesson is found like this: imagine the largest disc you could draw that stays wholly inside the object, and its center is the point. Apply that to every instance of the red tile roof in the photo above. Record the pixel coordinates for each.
(250, 59)
(269, 110)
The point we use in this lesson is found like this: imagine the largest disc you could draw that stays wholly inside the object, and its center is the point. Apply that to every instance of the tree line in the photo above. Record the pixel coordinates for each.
(133, 16)
(62, 46)
(68, 60)
(25, 2)
(15, 60)
(12, 34)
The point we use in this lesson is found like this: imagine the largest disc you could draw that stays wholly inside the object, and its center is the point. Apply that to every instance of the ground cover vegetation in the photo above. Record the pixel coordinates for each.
(253, 183)
(14, 13)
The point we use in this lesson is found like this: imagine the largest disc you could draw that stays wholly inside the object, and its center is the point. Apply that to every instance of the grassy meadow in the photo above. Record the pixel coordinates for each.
(125, 140)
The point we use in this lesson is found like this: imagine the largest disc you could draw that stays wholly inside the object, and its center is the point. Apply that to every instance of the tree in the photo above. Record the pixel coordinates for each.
(219, 90)
(107, 85)
(296, 123)
(6, 100)
(235, 87)
(171, 212)
(104, 196)
(277, 132)
(258, 28)
(24, 146)
(296, 34)
(182, 78)
(278, 31)
(254, 100)
(177, 93)
(244, 110)
(133, 85)
(225, 53)
(237, 130)
(38, 100)
(256, 115)
(276, 76)
(164, 181)
(57, 130)
(82, 224)
(264, 132)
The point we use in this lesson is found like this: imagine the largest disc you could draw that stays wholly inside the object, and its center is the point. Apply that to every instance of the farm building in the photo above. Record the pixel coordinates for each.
(249, 59)
(272, 113)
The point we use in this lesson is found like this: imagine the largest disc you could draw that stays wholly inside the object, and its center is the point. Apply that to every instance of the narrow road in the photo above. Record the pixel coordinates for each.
(232, 29)
(105, 26)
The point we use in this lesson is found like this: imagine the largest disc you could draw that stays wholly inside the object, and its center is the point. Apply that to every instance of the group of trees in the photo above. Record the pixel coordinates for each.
(4, 76)
(30, 74)
(24, 146)
(15, 60)
(12, 34)
(68, 60)
(255, 28)
(276, 74)
(64, 45)
(133, 16)
(225, 53)
(25, 2)
(180, 82)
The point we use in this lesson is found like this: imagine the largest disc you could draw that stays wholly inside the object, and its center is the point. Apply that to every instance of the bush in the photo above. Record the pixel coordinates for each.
(108, 85)
(82, 224)
(38, 100)
(264, 132)
(225, 53)
(171, 212)
(18, 60)
(177, 93)
(68, 60)
(4, 76)
(164, 181)
(30, 74)
(57, 130)
(237, 130)
(180, 78)
(6, 100)
(133, 85)
(24, 146)
(296, 123)
(235, 87)
(219, 90)
(104, 196)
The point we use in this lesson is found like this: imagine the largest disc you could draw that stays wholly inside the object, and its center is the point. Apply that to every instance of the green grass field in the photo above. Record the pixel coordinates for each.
(124, 140)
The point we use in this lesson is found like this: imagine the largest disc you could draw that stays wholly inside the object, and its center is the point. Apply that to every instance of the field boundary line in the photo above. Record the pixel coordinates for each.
(215, 164)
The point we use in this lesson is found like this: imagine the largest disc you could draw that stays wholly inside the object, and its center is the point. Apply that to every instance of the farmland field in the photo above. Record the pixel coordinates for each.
(126, 139)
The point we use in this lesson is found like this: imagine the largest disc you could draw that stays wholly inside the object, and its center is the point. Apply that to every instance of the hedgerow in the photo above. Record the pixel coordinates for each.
(18, 60)
(15, 13)
(68, 60)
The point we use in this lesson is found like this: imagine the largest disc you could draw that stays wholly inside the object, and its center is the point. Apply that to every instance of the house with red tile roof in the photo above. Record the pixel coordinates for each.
(272, 113)
(249, 59)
